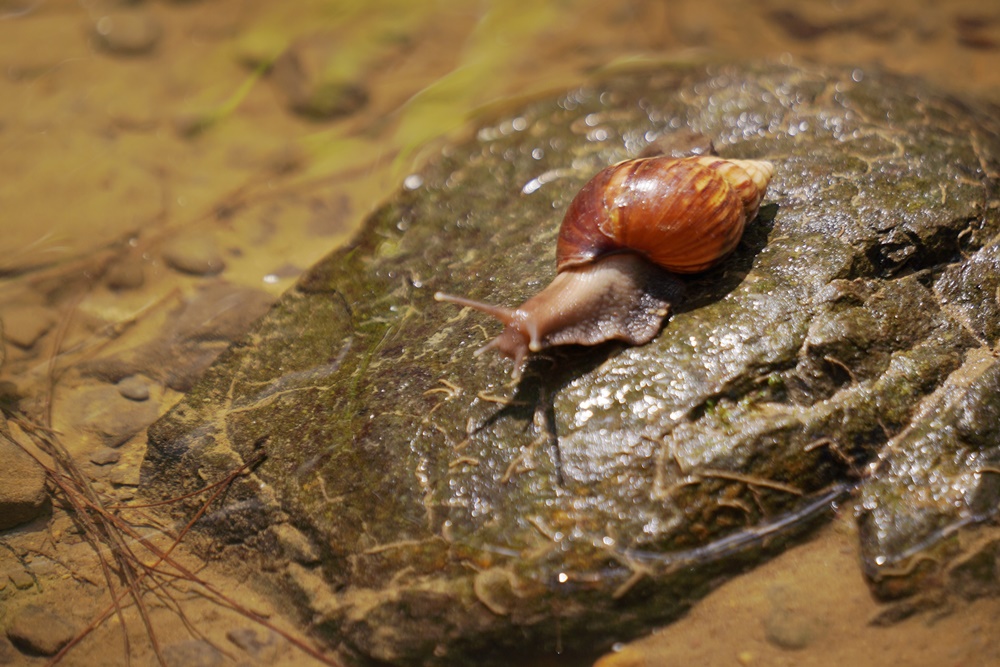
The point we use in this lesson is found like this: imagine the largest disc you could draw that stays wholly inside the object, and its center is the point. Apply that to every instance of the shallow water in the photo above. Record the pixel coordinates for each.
(150, 161)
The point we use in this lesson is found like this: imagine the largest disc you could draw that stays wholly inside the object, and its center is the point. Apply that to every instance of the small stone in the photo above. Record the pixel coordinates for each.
(22, 485)
(125, 275)
(125, 475)
(42, 568)
(105, 456)
(308, 75)
(789, 627)
(128, 32)
(39, 631)
(25, 324)
(133, 388)
(194, 253)
(21, 579)
(192, 653)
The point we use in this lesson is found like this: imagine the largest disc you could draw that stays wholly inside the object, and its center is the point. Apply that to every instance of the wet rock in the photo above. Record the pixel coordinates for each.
(25, 324)
(937, 477)
(978, 574)
(193, 252)
(22, 484)
(39, 631)
(105, 456)
(128, 32)
(192, 653)
(311, 74)
(455, 509)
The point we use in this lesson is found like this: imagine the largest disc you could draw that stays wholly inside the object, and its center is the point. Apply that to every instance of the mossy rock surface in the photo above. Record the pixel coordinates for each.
(845, 350)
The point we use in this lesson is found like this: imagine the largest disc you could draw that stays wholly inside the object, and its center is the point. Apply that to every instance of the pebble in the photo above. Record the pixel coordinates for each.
(789, 623)
(131, 33)
(133, 388)
(125, 275)
(124, 475)
(105, 456)
(34, 629)
(302, 74)
(192, 653)
(22, 485)
(789, 631)
(194, 253)
(25, 324)
(21, 579)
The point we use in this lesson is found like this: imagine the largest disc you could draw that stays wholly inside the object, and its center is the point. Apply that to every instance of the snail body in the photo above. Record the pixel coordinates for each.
(627, 225)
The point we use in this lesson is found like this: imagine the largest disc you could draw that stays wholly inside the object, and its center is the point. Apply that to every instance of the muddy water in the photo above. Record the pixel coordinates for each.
(168, 168)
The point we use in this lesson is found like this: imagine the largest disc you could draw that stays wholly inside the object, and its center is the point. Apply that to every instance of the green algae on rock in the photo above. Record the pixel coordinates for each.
(461, 518)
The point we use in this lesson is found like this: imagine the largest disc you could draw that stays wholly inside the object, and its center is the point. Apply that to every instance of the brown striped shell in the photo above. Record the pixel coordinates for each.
(683, 215)
(631, 222)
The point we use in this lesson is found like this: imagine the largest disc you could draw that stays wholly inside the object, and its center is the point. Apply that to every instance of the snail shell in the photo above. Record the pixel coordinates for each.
(633, 220)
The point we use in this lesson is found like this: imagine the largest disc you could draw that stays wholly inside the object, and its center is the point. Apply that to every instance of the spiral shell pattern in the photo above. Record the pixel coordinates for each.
(681, 214)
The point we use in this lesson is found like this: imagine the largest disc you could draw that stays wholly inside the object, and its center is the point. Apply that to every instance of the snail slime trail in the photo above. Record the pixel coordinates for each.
(629, 223)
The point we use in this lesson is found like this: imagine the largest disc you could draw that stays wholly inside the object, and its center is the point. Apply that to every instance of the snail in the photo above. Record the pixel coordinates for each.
(630, 223)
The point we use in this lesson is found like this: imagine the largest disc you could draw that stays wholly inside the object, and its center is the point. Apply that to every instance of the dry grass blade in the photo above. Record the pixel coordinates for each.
(103, 526)
(80, 498)
(128, 577)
